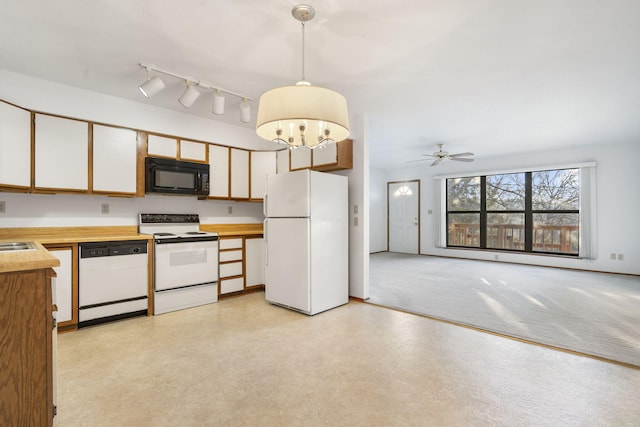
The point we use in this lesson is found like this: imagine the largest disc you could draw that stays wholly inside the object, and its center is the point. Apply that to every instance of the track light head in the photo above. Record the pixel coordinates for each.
(218, 102)
(151, 86)
(245, 111)
(189, 96)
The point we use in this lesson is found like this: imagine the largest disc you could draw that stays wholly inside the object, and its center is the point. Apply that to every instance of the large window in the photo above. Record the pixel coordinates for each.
(528, 211)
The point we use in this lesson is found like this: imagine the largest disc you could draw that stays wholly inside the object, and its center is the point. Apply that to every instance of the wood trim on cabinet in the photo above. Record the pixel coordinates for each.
(90, 157)
(143, 142)
(72, 324)
(344, 158)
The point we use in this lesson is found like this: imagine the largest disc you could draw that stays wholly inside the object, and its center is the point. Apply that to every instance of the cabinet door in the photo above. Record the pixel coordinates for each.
(254, 261)
(326, 155)
(63, 284)
(162, 146)
(239, 174)
(15, 146)
(61, 153)
(282, 161)
(192, 150)
(263, 163)
(114, 159)
(300, 158)
(219, 171)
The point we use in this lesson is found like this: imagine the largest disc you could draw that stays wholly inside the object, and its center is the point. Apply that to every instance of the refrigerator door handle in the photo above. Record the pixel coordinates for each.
(266, 241)
(264, 205)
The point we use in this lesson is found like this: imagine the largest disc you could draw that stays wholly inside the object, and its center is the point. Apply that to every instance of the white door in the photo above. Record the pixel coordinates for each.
(404, 216)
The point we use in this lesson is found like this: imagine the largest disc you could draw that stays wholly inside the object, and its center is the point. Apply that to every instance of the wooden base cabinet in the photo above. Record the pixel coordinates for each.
(26, 348)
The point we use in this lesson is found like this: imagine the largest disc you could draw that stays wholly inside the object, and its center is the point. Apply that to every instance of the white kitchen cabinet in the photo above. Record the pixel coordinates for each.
(282, 161)
(263, 163)
(15, 146)
(325, 155)
(114, 159)
(239, 174)
(254, 261)
(63, 284)
(218, 171)
(61, 153)
(193, 151)
(300, 158)
(162, 146)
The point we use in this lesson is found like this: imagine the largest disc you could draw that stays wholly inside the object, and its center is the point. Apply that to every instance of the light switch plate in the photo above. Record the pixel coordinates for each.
(3, 207)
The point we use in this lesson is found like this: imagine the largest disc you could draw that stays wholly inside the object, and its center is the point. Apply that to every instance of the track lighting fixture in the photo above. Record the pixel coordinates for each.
(191, 94)
(151, 86)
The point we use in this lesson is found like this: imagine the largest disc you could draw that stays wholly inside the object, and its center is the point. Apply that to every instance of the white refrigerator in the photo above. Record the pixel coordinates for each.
(306, 232)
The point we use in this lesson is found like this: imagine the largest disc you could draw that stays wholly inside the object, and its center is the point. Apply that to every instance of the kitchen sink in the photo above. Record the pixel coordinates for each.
(17, 246)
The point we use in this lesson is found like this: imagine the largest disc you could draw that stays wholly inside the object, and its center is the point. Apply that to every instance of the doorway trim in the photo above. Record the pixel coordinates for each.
(389, 183)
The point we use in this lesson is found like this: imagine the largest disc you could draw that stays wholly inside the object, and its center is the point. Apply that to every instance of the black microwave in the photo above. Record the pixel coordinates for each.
(168, 176)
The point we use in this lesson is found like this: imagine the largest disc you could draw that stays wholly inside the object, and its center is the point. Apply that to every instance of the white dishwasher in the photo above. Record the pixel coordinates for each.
(112, 281)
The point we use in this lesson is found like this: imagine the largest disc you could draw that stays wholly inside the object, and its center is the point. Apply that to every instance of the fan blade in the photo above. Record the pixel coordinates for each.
(460, 154)
(429, 155)
(436, 162)
(460, 159)
(414, 161)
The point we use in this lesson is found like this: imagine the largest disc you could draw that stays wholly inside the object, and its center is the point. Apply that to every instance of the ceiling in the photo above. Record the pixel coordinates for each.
(493, 77)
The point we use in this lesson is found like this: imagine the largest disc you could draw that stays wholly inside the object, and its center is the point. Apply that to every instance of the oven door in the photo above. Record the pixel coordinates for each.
(183, 264)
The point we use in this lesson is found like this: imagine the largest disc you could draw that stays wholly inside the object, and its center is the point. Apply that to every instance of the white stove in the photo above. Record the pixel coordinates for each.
(185, 272)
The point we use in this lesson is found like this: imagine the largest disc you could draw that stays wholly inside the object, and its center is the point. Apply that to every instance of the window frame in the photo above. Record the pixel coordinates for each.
(528, 213)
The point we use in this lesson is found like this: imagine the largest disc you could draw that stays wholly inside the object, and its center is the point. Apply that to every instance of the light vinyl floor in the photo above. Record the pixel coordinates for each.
(244, 362)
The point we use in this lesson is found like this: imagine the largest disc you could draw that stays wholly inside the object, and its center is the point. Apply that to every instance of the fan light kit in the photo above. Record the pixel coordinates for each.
(441, 155)
(154, 84)
(302, 114)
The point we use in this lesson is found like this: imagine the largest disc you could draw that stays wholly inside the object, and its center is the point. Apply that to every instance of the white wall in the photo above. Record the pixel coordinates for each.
(48, 97)
(359, 199)
(617, 201)
(378, 203)
(61, 210)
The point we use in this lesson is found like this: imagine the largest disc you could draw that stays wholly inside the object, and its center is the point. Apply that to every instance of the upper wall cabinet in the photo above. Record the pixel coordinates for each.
(282, 161)
(300, 158)
(162, 146)
(15, 146)
(218, 172)
(239, 174)
(263, 163)
(333, 157)
(193, 151)
(175, 148)
(61, 154)
(114, 160)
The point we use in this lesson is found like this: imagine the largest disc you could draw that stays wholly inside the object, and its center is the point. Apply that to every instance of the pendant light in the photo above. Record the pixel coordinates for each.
(302, 114)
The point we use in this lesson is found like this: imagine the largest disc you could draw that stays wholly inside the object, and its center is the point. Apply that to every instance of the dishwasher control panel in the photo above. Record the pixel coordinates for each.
(103, 249)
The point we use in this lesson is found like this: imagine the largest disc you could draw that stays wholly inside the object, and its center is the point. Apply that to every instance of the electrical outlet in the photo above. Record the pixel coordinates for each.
(105, 208)
(355, 221)
(230, 209)
(430, 212)
(355, 209)
(3, 207)
(620, 257)
(496, 257)
(612, 256)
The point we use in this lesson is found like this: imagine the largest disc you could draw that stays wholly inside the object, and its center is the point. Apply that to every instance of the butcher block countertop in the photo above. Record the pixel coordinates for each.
(32, 259)
(68, 235)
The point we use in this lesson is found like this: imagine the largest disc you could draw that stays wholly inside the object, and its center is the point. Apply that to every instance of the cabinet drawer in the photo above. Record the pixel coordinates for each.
(231, 269)
(231, 243)
(235, 255)
(231, 285)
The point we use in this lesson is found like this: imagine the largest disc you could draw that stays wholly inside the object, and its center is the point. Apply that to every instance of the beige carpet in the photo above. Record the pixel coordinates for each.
(592, 313)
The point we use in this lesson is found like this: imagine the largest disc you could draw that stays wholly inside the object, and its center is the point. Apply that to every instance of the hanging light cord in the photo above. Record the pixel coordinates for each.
(303, 78)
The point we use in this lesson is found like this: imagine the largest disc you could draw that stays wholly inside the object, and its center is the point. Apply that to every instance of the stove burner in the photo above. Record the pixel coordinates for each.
(194, 232)
(163, 234)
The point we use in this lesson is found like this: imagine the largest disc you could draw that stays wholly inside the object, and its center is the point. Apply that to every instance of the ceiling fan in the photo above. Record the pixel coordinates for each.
(444, 155)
